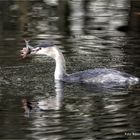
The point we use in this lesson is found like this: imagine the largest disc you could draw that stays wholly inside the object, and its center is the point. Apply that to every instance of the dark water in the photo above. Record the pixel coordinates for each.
(86, 32)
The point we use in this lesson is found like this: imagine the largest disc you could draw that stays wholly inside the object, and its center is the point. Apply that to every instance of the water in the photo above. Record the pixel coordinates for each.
(88, 37)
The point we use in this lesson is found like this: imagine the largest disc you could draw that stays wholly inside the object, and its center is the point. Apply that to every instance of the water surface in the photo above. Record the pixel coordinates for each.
(87, 35)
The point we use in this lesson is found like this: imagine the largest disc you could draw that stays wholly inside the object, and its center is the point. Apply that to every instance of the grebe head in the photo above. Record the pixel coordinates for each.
(42, 49)
(51, 51)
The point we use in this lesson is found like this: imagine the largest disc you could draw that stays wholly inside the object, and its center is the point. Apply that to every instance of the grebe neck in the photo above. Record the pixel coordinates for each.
(60, 68)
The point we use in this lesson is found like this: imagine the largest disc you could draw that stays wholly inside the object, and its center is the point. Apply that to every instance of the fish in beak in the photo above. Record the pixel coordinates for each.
(28, 50)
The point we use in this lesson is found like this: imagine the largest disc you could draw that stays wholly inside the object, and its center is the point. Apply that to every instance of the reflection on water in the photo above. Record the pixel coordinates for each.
(86, 33)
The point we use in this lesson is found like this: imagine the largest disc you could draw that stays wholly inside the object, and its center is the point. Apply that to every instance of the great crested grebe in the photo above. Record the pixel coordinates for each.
(98, 76)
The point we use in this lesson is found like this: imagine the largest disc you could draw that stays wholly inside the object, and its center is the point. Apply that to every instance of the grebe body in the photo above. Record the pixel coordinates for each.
(102, 77)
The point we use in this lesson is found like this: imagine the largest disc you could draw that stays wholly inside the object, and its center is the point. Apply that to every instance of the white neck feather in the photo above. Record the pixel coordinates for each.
(60, 69)
(55, 53)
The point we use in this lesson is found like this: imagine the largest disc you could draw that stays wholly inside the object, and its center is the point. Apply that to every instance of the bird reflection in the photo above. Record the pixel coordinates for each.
(51, 103)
